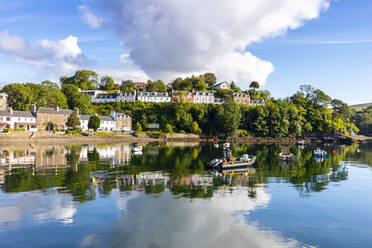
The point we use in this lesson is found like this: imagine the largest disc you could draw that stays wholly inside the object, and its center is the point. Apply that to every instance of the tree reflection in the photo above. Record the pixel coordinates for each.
(181, 171)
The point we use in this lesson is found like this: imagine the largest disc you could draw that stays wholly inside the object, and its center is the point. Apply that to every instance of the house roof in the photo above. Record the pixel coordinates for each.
(140, 84)
(220, 84)
(44, 110)
(102, 118)
(107, 95)
(16, 113)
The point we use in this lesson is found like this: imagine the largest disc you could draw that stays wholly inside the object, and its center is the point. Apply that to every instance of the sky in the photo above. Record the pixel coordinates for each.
(282, 44)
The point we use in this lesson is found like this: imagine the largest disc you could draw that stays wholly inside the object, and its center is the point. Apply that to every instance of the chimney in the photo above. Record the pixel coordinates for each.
(56, 108)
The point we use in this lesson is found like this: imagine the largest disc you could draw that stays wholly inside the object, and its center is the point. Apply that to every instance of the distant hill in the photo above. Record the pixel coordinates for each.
(360, 106)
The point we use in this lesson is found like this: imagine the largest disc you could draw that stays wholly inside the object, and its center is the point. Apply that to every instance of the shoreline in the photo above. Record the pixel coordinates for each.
(46, 137)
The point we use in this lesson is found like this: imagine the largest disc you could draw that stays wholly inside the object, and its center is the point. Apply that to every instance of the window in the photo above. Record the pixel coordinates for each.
(8, 118)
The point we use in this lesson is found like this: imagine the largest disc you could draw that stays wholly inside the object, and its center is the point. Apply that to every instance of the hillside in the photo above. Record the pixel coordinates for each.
(359, 107)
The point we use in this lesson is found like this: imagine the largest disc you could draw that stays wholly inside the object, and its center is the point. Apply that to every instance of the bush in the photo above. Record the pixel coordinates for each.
(19, 129)
(241, 133)
(8, 130)
(168, 128)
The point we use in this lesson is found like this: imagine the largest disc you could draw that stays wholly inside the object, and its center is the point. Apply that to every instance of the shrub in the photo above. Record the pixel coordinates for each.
(19, 129)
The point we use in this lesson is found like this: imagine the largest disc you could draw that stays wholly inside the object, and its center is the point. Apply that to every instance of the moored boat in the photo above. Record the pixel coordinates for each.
(287, 156)
(137, 149)
(227, 163)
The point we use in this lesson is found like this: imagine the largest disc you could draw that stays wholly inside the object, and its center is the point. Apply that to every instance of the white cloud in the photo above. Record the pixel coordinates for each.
(57, 57)
(167, 38)
(90, 18)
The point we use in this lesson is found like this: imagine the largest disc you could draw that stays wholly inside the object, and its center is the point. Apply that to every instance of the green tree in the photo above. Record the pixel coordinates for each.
(83, 79)
(76, 99)
(210, 79)
(137, 127)
(168, 128)
(127, 86)
(228, 118)
(73, 121)
(107, 83)
(198, 83)
(94, 122)
(158, 86)
(195, 127)
(254, 85)
(20, 97)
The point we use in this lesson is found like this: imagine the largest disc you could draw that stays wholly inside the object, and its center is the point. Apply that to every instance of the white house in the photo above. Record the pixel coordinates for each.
(144, 96)
(17, 120)
(203, 97)
(222, 86)
(107, 123)
(127, 96)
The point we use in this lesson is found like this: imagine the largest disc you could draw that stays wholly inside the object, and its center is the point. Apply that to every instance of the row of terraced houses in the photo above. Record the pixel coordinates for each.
(193, 96)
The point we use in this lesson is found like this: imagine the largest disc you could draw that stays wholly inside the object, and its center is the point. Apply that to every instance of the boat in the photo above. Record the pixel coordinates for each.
(226, 145)
(227, 163)
(137, 149)
(318, 153)
(287, 156)
(215, 145)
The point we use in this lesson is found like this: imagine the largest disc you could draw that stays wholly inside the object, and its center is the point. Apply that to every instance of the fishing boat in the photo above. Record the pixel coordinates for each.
(226, 145)
(137, 149)
(318, 153)
(287, 156)
(229, 162)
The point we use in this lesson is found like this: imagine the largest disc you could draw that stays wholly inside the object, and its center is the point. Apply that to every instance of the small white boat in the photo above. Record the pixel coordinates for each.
(137, 149)
(226, 145)
(215, 145)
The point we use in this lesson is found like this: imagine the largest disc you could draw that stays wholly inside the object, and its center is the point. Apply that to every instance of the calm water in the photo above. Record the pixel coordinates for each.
(103, 196)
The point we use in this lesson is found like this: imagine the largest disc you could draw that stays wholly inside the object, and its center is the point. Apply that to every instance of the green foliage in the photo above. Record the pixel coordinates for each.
(94, 123)
(228, 118)
(363, 120)
(127, 86)
(83, 79)
(20, 97)
(107, 83)
(76, 99)
(194, 127)
(210, 79)
(49, 126)
(137, 127)
(158, 86)
(187, 84)
(73, 121)
(255, 85)
(168, 128)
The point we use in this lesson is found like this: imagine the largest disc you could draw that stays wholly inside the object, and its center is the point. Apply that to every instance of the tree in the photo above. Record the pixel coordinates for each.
(158, 86)
(20, 97)
(254, 85)
(76, 99)
(340, 110)
(83, 79)
(210, 79)
(107, 83)
(228, 118)
(127, 86)
(194, 127)
(94, 122)
(168, 128)
(198, 83)
(73, 121)
(137, 127)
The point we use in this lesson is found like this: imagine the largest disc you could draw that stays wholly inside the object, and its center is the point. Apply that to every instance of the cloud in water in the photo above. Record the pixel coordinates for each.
(169, 38)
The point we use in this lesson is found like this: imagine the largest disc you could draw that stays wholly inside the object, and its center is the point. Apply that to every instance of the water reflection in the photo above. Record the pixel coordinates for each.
(161, 198)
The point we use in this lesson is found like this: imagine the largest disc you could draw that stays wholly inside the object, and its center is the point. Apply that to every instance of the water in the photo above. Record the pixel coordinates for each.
(103, 196)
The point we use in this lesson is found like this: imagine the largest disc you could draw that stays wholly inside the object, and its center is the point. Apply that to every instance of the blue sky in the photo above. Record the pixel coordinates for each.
(332, 52)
